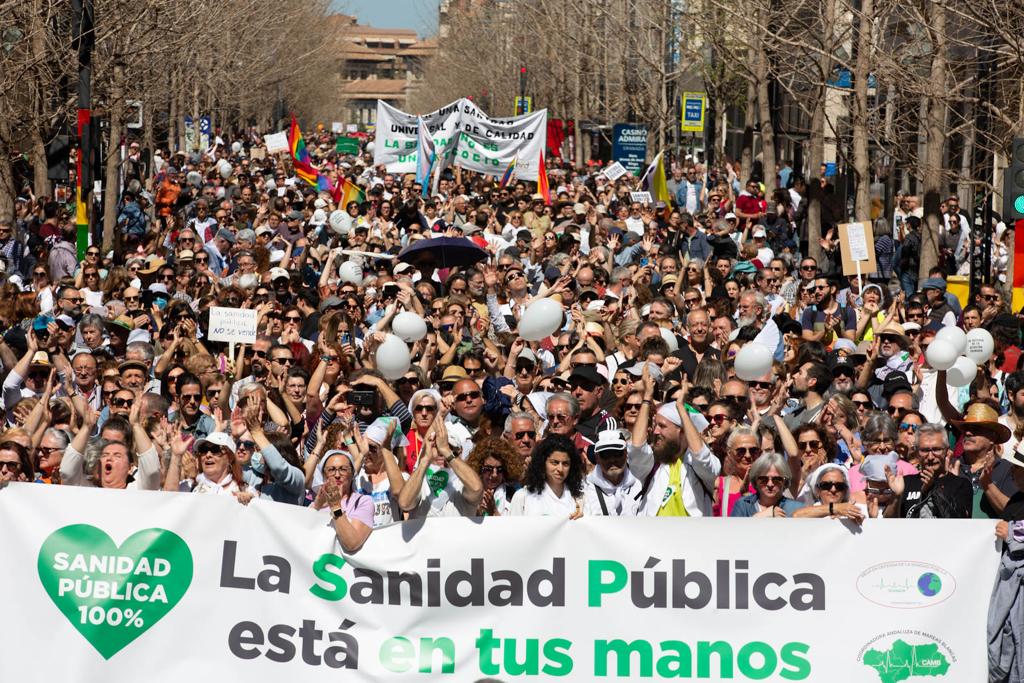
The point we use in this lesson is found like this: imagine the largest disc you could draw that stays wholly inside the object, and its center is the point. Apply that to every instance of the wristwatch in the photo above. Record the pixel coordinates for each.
(448, 458)
(339, 513)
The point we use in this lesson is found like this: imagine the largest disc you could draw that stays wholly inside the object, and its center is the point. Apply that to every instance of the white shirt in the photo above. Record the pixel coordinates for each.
(620, 500)
(543, 504)
(385, 505)
(449, 502)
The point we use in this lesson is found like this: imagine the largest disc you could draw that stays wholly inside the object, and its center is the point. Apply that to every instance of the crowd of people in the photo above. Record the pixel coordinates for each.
(631, 407)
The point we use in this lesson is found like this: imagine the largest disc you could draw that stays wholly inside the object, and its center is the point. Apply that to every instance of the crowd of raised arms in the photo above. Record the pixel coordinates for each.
(641, 400)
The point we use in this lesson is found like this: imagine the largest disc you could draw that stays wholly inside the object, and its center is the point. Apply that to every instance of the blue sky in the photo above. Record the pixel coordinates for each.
(420, 15)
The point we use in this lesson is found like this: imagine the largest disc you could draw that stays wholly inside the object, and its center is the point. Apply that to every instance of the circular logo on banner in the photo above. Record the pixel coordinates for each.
(906, 584)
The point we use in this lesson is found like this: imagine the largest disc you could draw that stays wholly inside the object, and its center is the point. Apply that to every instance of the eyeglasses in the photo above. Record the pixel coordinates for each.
(293, 318)
(809, 445)
(909, 427)
(752, 451)
(837, 486)
(188, 398)
(467, 396)
(888, 338)
(213, 392)
(719, 419)
(821, 288)
(259, 354)
(621, 381)
(525, 369)
(774, 481)
(492, 469)
(761, 385)
(932, 449)
(514, 275)
(246, 445)
(559, 417)
(425, 408)
(337, 470)
(122, 402)
(808, 268)
(474, 372)
(14, 466)
(989, 297)
(897, 411)
(867, 405)
(633, 406)
(283, 361)
(691, 302)
(47, 452)
(208, 448)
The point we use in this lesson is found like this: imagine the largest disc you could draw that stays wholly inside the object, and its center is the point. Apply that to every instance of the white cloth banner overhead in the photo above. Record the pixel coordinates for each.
(108, 585)
(462, 134)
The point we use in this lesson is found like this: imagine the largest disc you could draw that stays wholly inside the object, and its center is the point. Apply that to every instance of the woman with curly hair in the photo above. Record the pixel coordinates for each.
(553, 483)
(500, 470)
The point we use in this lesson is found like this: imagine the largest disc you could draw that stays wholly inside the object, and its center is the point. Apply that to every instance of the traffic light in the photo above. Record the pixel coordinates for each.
(1013, 184)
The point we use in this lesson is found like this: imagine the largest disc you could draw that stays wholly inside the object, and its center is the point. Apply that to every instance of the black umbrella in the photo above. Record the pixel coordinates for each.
(442, 252)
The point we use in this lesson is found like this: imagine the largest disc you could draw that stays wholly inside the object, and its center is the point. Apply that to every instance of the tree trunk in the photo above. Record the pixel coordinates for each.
(964, 188)
(7, 190)
(935, 138)
(862, 69)
(39, 94)
(112, 163)
(37, 158)
(749, 118)
(764, 112)
(816, 137)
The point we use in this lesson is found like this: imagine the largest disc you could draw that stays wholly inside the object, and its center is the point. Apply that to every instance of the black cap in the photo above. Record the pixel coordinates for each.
(842, 365)
(895, 381)
(588, 373)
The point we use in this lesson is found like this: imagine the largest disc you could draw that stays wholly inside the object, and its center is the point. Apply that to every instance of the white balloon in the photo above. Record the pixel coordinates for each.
(962, 373)
(351, 272)
(954, 335)
(541, 319)
(336, 219)
(409, 327)
(370, 147)
(980, 345)
(236, 147)
(393, 357)
(225, 169)
(753, 361)
(941, 354)
(670, 339)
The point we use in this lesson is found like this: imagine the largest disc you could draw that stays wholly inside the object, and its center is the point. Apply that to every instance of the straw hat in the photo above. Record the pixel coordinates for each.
(982, 419)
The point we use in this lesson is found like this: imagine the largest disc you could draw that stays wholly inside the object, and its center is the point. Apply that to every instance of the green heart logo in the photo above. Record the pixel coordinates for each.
(113, 595)
(438, 481)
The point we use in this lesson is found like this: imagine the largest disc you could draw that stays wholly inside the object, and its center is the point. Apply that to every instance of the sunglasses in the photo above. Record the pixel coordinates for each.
(259, 354)
(467, 396)
(205, 448)
(213, 392)
(719, 419)
(909, 427)
(752, 451)
(761, 385)
(519, 436)
(283, 361)
(809, 445)
(896, 410)
(633, 406)
(775, 481)
(492, 469)
(246, 445)
(838, 486)
(122, 402)
(867, 405)
(188, 398)
(424, 408)
(293, 318)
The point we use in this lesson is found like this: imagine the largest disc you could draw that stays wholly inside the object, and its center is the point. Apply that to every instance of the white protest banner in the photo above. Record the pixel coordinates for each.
(337, 127)
(395, 142)
(465, 135)
(614, 171)
(233, 324)
(352, 128)
(276, 142)
(641, 197)
(123, 582)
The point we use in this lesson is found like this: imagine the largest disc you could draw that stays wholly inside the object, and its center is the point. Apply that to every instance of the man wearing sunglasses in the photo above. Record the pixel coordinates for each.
(588, 387)
(521, 432)
(464, 419)
(610, 489)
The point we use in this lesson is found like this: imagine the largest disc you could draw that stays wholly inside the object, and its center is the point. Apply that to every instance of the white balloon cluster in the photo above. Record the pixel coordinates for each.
(960, 353)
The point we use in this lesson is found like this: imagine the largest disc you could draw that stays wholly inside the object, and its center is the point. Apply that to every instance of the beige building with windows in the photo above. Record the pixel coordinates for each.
(380, 63)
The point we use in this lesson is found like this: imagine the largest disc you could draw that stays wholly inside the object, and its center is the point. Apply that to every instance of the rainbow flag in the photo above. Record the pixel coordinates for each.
(306, 172)
(506, 177)
(542, 180)
(346, 191)
(297, 145)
